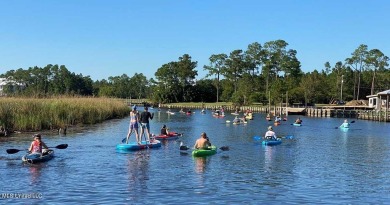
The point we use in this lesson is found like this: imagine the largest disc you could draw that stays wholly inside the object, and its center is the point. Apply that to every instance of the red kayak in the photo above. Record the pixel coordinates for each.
(170, 136)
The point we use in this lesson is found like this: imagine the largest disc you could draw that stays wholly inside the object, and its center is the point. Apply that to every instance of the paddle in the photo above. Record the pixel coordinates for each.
(285, 137)
(185, 148)
(13, 151)
(124, 139)
(353, 121)
(223, 148)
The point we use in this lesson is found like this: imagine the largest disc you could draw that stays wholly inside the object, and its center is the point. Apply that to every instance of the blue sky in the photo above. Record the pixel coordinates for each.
(110, 38)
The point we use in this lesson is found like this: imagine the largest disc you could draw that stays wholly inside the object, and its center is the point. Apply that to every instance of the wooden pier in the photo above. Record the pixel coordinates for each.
(373, 115)
(319, 112)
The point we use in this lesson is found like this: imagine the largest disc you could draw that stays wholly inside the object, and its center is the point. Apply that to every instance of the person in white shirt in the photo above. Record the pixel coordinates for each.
(270, 134)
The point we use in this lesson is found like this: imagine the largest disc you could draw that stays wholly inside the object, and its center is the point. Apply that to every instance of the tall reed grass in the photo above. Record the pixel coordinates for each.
(31, 114)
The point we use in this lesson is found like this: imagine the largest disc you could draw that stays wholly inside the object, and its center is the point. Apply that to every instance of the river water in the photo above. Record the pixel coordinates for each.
(319, 165)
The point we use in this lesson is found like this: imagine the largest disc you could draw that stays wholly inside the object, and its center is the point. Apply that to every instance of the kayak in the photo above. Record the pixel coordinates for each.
(272, 142)
(36, 157)
(134, 146)
(239, 122)
(344, 129)
(234, 113)
(170, 136)
(204, 152)
(295, 124)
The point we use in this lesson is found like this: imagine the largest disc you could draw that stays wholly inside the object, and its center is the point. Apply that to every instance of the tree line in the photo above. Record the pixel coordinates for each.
(262, 73)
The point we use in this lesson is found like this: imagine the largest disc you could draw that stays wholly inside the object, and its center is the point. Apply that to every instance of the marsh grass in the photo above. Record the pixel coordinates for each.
(31, 114)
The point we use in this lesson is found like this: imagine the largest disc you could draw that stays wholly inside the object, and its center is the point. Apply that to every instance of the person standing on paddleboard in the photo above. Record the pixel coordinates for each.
(134, 117)
(144, 119)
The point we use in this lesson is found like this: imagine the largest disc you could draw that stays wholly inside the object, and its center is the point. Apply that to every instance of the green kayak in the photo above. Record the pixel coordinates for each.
(204, 152)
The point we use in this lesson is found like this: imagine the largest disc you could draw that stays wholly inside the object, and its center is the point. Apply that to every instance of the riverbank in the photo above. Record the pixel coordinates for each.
(31, 114)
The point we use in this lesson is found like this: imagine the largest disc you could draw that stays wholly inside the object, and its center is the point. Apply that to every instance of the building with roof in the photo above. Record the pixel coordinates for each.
(379, 101)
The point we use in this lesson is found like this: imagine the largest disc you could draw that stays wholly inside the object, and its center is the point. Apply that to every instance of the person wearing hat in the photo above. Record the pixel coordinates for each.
(270, 134)
(133, 127)
(144, 119)
(37, 145)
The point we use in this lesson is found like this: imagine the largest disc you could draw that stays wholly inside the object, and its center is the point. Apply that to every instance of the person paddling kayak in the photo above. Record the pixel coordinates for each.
(37, 145)
(270, 134)
(298, 121)
(164, 130)
(203, 142)
(345, 124)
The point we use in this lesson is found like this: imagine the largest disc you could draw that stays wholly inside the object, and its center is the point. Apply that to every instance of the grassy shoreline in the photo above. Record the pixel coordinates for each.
(31, 114)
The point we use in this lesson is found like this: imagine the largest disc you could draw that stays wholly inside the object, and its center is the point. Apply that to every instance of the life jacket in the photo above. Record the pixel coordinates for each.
(37, 147)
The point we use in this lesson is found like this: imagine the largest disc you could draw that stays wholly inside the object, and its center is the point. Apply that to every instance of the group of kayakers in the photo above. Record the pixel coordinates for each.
(38, 146)
(270, 134)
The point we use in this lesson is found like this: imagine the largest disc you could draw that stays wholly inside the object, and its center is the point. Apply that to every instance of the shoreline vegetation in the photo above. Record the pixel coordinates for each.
(57, 113)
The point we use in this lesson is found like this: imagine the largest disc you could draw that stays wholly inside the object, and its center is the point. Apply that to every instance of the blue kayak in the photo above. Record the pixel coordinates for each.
(296, 124)
(134, 146)
(37, 157)
(272, 142)
(344, 129)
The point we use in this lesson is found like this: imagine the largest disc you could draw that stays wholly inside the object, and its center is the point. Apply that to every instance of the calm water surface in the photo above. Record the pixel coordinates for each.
(320, 165)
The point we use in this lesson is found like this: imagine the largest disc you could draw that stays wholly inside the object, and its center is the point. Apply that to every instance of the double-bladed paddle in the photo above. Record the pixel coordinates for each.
(285, 137)
(185, 148)
(13, 151)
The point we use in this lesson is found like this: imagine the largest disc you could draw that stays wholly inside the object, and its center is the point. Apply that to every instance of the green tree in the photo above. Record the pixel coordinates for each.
(217, 64)
(186, 74)
(234, 68)
(376, 60)
(357, 62)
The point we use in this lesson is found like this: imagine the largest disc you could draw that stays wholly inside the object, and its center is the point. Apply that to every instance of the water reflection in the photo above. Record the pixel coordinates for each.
(200, 164)
(35, 173)
(268, 158)
(138, 169)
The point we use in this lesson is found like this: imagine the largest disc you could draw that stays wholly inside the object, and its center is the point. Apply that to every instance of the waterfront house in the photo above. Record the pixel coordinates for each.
(379, 101)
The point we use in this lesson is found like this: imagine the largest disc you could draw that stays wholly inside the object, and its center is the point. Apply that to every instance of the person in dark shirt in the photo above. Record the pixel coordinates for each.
(164, 130)
(144, 119)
